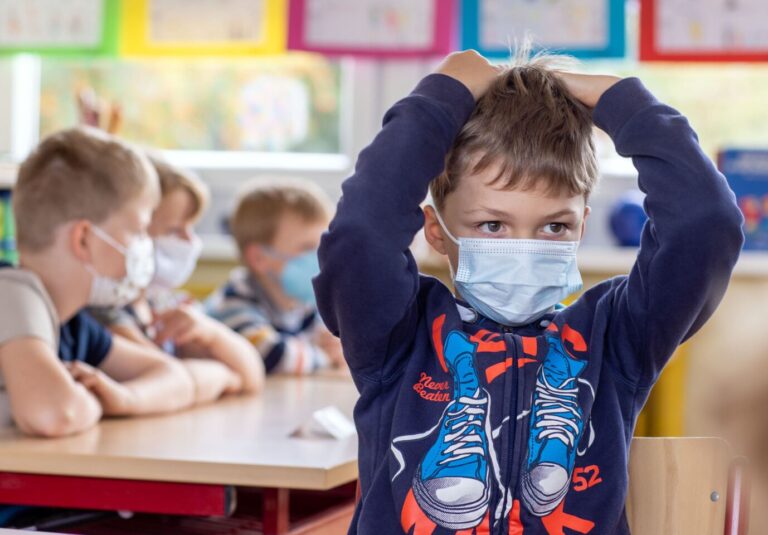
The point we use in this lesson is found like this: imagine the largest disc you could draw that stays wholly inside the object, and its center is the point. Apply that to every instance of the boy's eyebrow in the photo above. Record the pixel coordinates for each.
(561, 213)
(506, 215)
(501, 214)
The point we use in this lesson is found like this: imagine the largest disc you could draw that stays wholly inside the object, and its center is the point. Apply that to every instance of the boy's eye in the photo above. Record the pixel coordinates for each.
(490, 227)
(555, 229)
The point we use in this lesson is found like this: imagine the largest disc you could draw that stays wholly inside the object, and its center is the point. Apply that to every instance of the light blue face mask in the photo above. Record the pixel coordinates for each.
(296, 277)
(514, 282)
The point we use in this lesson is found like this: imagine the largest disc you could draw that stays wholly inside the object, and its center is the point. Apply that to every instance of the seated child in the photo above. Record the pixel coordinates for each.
(532, 405)
(269, 300)
(168, 319)
(83, 201)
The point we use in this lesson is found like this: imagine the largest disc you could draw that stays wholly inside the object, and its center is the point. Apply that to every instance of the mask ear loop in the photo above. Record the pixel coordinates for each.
(450, 236)
(442, 225)
(109, 240)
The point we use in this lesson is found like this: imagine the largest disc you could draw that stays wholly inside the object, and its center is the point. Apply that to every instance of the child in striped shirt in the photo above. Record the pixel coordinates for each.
(269, 299)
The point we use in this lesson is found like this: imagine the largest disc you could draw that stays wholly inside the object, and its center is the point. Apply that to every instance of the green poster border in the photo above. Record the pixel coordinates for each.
(110, 28)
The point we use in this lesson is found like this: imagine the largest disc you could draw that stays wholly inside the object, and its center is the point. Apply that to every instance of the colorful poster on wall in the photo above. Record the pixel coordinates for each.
(377, 28)
(703, 30)
(582, 28)
(56, 27)
(747, 174)
(202, 27)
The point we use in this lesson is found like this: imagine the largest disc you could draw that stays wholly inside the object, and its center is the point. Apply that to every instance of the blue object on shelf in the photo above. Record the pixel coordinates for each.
(627, 218)
(747, 174)
(8, 251)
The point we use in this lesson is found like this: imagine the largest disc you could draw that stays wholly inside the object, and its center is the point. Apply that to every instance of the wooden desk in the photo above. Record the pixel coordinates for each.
(189, 462)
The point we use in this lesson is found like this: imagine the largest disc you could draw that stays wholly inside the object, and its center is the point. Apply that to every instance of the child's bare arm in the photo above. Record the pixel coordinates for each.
(137, 379)
(195, 334)
(692, 239)
(212, 379)
(44, 398)
(369, 279)
(132, 333)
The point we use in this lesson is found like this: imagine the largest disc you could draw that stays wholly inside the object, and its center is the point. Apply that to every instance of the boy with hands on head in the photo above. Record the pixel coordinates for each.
(533, 434)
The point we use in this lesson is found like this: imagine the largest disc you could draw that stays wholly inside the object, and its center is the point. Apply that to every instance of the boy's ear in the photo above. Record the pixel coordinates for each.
(587, 211)
(79, 235)
(433, 232)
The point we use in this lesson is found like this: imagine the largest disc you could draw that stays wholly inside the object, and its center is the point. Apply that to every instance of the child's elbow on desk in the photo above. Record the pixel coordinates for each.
(82, 411)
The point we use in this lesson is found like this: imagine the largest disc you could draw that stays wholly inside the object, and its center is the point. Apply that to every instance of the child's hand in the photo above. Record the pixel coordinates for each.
(115, 398)
(588, 88)
(185, 325)
(471, 69)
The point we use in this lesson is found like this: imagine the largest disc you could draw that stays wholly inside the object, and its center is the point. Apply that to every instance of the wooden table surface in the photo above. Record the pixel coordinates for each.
(237, 441)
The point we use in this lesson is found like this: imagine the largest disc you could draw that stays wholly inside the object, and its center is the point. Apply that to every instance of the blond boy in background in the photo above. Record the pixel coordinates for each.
(83, 202)
(165, 317)
(269, 299)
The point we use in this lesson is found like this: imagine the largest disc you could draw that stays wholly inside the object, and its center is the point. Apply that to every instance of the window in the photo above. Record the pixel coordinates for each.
(724, 102)
(285, 104)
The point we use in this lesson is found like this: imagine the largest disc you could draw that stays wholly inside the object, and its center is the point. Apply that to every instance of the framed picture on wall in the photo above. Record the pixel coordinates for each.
(374, 28)
(703, 30)
(73, 27)
(581, 28)
(202, 27)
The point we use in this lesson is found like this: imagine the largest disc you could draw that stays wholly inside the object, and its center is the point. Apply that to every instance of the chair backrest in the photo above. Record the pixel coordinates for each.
(680, 486)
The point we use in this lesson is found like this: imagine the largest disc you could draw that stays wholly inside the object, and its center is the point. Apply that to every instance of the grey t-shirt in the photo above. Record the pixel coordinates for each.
(27, 309)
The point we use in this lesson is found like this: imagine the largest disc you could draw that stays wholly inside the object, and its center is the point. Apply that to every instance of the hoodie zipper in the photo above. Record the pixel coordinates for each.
(508, 443)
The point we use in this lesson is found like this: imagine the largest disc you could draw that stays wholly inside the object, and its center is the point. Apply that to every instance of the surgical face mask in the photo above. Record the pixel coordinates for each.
(139, 268)
(296, 277)
(175, 260)
(514, 282)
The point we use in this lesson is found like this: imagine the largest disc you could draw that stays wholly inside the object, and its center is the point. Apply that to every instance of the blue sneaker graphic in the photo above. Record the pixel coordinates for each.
(556, 427)
(451, 485)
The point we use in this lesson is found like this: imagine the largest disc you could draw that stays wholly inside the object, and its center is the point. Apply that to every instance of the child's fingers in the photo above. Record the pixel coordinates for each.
(86, 375)
(171, 327)
(166, 323)
(79, 369)
(186, 336)
(163, 316)
(91, 382)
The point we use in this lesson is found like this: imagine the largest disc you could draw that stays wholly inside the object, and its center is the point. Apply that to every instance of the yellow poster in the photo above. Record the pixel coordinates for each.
(202, 27)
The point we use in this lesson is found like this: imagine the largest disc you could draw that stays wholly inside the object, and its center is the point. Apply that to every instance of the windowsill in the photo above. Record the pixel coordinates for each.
(619, 260)
(611, 261)
(218, 248)
(229, 160)
(266, 161)
(7, 175)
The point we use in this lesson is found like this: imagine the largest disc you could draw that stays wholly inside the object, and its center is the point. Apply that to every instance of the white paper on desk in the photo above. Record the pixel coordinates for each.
(328, 422)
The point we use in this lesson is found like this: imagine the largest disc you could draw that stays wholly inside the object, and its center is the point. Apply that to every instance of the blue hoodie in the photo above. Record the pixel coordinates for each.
(468, 426)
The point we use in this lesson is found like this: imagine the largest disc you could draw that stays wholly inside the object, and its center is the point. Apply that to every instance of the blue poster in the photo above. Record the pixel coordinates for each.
(580, 28)
(747, 174)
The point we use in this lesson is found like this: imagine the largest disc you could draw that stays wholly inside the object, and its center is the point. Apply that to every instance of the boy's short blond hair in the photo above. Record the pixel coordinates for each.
(173, 178)
(531, 128)
(262, 204)
(79, 173)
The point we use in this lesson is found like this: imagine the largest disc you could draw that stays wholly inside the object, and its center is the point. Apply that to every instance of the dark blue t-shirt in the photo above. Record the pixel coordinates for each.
(81, 338)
